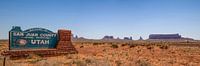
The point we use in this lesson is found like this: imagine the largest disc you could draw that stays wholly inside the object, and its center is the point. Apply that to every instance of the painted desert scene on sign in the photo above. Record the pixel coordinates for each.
(99, 33)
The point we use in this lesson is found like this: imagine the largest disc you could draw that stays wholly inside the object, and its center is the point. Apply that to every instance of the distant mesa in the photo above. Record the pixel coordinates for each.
(118, 38)
(108, 37)
(76, 37)
(128, 38)
(82, 38)
(141, 38)
(168, 36)
(112, 38)
(164, 36)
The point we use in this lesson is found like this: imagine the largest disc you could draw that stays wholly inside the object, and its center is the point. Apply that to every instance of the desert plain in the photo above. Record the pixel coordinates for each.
(116, 53)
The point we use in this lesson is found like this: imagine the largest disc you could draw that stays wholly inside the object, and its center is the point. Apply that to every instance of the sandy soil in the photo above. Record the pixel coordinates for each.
(112, 54)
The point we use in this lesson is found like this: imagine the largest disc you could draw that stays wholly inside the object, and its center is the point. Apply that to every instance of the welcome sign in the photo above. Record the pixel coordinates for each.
(33, 38)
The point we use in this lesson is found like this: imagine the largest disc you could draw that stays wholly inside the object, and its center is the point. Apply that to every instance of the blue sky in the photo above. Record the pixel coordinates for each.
(96, 18)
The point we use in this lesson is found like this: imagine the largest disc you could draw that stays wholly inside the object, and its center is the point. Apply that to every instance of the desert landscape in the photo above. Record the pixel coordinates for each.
(99, 33)
(116, 53)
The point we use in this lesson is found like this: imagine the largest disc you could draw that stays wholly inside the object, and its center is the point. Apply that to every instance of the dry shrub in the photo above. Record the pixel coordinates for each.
(81, 46)
(36, 60)
(104, 50)
(98, 43)
(69, 56)
(139, 50)
(124, 45)
(79, 63)
(88, 61)
(150, 47)
(118, 63)
(33, 56)
(164, 47)
(114, 46)
(132, 45)
(142, 63)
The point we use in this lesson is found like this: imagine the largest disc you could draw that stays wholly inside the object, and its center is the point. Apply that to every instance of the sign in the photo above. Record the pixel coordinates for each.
(33, 38)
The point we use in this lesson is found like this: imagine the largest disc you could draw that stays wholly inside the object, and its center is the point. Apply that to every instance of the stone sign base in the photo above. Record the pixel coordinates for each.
(40, 52)
(63, 47)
